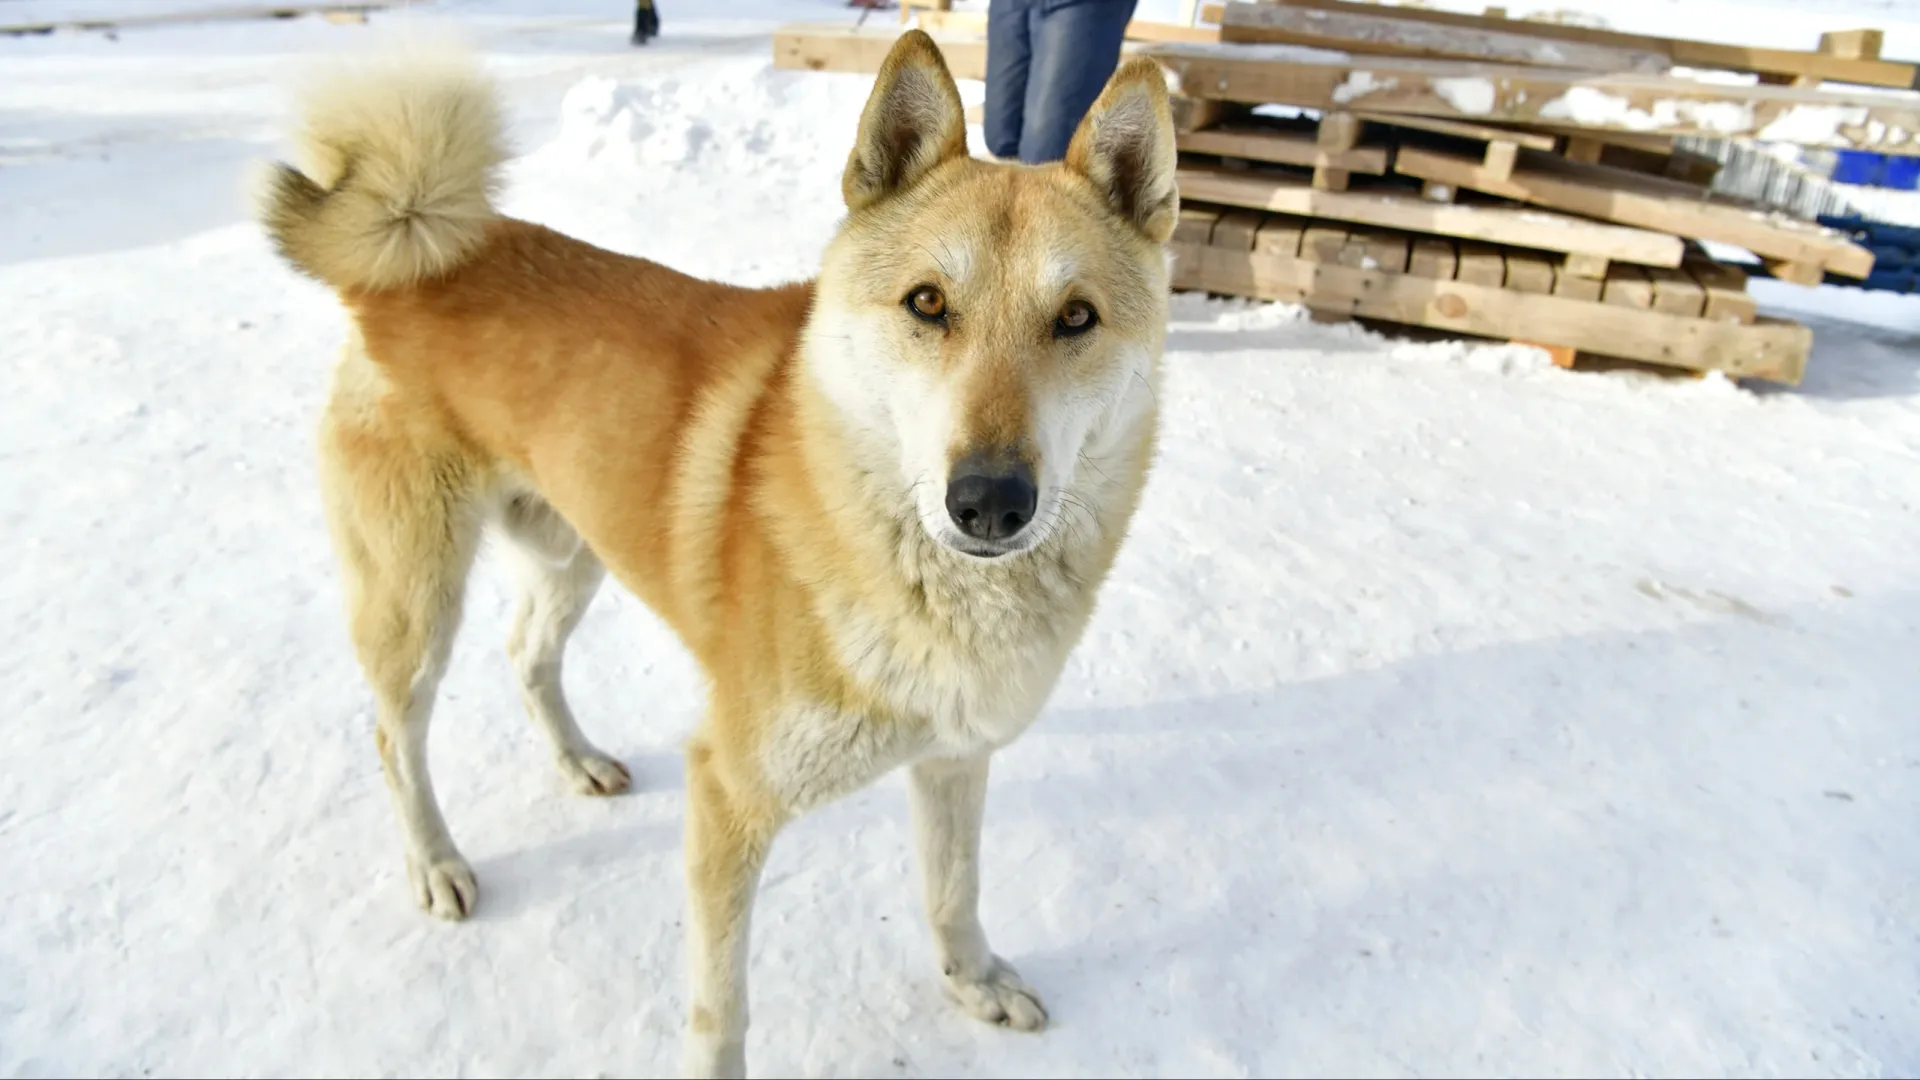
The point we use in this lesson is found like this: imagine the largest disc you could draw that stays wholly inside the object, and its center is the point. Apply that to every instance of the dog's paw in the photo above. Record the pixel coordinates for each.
(591, 772)
(999, 997)
(444, 887)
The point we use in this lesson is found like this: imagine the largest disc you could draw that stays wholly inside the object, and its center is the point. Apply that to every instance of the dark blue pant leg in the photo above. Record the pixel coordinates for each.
(1076, 48)
(1009, 53)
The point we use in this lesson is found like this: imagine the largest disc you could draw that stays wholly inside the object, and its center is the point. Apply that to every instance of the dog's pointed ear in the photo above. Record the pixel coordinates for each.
(913, 121)
(1125, 148)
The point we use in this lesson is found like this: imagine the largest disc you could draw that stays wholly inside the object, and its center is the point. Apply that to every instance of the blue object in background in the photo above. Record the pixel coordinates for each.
(1857, 167)
(1901, 173)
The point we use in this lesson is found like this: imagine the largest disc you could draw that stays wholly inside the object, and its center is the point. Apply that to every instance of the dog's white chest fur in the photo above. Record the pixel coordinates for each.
(964, 669)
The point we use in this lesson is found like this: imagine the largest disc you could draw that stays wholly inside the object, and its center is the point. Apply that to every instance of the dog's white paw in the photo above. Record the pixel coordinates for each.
(999, 997)
(444, 887)
(591, 772)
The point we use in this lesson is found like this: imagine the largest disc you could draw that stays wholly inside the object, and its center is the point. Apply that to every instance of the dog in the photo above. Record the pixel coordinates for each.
(876, 507)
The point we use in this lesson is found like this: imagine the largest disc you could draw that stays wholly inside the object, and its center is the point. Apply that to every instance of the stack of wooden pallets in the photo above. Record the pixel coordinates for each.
(1502, 178)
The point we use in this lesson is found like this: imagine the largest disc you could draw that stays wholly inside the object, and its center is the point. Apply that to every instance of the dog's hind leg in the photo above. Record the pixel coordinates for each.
(405, 522)
(558, 576)
(948, 799)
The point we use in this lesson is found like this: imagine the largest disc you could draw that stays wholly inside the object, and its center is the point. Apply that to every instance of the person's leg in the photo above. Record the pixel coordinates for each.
(646, 22)
(1009, 48)
(1076, 48)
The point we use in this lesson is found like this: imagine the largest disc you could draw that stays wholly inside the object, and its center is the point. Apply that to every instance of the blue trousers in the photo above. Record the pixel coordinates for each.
(1047, 60)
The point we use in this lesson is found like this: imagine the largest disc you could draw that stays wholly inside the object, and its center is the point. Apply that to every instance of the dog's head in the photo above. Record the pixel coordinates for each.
(990, 334)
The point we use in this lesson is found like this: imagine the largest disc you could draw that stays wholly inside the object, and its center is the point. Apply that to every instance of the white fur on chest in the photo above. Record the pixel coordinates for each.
(963, 672)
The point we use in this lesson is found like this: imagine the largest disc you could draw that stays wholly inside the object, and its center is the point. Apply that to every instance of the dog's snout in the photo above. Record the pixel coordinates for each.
(991, 499)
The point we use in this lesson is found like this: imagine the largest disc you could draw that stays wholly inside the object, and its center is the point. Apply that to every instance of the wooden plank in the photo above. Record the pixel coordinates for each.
(1432, 258)
(1579, 264)
(1768, 349)
(1481, 264)
(1649, 104)
(975, 22)
(1322, 242)
(1325, 179)
(1387, 252)
(1540, 229)
(1853, 44)
(836, 47)
(1628, 286)
(1529, 273)
(1500, 158)
(1726, 291)
(1195, 225)
(1576, 286)
(1634, 199)
(1280, 235)
(1339, 131)
(1236, 229)
(1676, 293)
(1463, 129)
(1682, 52)
(1370, 32)
(1283, 148)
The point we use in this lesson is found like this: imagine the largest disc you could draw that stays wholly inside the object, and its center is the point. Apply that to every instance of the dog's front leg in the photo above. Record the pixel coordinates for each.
(949, 797)
(726, 846)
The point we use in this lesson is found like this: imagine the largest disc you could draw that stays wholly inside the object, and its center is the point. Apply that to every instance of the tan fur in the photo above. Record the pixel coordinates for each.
(763, 467)
(398, 172)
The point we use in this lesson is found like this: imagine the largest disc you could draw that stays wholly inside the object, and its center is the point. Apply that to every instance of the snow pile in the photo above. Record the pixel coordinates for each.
(733, 120)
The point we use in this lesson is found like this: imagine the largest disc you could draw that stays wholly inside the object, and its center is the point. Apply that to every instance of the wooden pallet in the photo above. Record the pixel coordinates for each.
(1851, 56)
(1513, 94)
(1694, 318)
(1804, 252)
(1371, 31)
(1514, 226)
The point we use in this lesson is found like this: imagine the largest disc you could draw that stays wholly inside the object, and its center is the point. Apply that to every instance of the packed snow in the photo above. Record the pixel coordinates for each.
(1447, 713)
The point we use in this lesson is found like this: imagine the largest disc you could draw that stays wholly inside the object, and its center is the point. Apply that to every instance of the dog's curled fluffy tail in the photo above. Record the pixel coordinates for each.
(399, 163)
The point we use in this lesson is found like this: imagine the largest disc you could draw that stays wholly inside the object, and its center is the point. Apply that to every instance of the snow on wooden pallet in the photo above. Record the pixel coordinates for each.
(1493, 93)
(1848, 56)
(1499, 93)
(1697, 317)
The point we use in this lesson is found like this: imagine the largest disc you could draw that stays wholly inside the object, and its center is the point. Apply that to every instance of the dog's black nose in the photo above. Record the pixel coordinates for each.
(991, 502)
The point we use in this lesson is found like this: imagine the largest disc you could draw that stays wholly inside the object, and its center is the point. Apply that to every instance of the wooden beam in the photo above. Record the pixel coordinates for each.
(1767, 349)
(1648, 104)
(1538, 229)
(1383, 34)
(1647, 202)
(1682, 52)
(1463, 129)
(1283, 148)
(836, 47)
(975, 22)
(1853, 44)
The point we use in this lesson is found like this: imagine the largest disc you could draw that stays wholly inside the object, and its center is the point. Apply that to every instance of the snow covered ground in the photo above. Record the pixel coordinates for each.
(1448, 714)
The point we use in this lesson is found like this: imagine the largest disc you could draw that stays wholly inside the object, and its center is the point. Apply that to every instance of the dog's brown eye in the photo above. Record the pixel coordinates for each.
(927, 302)
(1076, 318)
